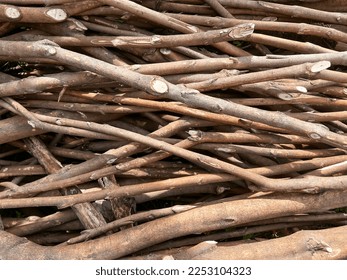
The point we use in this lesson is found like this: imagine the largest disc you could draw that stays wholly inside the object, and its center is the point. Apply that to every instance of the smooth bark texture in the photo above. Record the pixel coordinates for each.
(327, 244)
(190, 97)
(216, 216)
(172, 125)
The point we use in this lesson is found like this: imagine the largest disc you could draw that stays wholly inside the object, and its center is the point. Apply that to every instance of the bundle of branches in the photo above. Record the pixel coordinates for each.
(183, 129)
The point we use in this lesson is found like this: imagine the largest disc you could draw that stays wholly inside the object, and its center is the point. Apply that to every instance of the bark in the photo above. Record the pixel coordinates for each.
(201, 38)
(225, 110)
(298, 28)
(216, 216)
(327, 244)
(86, 212)
(169, 22)
(289, 10)
(28, 14)
(190, 97)
(220, 9)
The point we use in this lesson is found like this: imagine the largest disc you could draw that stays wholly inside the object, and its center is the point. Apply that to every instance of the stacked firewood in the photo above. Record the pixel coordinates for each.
(173, 129)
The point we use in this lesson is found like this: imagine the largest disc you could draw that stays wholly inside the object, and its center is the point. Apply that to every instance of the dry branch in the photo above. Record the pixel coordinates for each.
(147, 118)
(220, 216)
(289, 10)
(28, 14)
(304, 245)
(157, 86)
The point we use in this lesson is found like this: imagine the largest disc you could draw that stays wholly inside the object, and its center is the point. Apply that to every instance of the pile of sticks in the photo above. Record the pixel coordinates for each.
(185, 129)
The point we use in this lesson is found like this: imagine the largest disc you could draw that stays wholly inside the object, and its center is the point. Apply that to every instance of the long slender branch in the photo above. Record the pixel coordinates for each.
(168, 21)
(216, 216)
(122, 104)
(298, 28)
(289, 10)
(190, 97)
(136, 189)
(158, 41)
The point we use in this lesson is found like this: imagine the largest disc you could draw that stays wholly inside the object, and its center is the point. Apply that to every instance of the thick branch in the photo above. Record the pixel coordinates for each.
(216, 216)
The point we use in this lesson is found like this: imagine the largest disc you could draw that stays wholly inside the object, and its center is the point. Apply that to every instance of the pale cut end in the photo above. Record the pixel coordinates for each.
(165, 51)
(320, 66)
(159, 86)
(78, 25)
(182, 208)
(12, 13)
(194, 29)
(210, 242)
(118, 42)
(32, 124)
(285, 96)
(195, 135)
(225, 150)
(155, 39)
(168, 258)
(315, 136)
(269, 19)
(329, 249)
(57, 14)
(50, 50)
(301, 89)
(242, 30)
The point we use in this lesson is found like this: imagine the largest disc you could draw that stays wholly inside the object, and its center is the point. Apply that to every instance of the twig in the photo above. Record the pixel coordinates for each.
(169, 22)
(298, 28)
(136, 189)
(289, 10)
(216, 5)
(39, 224)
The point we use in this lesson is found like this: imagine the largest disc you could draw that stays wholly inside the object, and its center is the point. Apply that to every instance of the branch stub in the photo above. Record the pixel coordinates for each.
(13, 13)
(158, 86)
(57, 14)
(319, 66)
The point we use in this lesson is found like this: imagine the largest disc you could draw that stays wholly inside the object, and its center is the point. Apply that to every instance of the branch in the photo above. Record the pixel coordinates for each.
(216, 216)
